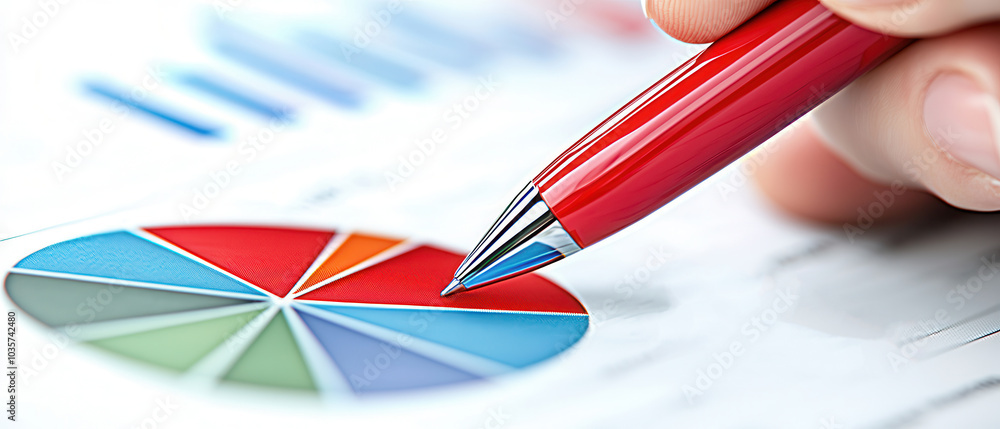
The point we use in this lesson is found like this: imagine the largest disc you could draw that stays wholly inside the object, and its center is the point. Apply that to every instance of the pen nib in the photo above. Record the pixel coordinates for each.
(453, 287)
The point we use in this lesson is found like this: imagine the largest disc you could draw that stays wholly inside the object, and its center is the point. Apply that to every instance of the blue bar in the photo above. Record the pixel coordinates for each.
(445, 57)
(165, 113)
(229, 92)
(526, 40)
(435, 32)
(439, 44)
(361, 59)
(278, 62)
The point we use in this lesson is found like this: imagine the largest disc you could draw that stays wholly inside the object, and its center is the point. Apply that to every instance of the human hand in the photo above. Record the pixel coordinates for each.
(928, 119)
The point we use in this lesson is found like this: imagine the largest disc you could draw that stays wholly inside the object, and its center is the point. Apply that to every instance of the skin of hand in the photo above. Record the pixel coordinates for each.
(926, 122)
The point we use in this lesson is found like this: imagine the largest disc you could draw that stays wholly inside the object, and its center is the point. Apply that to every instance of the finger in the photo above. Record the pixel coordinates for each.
(805, 178)
(701, 21)
(916, 18)
(927, 118)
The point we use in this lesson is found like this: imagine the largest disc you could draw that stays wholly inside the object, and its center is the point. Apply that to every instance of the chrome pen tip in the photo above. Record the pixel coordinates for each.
(453, 287)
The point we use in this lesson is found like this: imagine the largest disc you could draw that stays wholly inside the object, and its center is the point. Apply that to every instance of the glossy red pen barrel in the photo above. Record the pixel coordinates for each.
(707, 113)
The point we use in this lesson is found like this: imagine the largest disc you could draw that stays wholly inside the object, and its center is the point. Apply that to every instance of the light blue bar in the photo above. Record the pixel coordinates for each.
(437, 43)
(361, 59)
(526, 40)
(234, 94)
(279, 62)
(168, 114)
(437, 32)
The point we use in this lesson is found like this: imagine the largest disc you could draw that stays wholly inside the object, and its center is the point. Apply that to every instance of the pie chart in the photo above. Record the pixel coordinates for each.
(296, 309)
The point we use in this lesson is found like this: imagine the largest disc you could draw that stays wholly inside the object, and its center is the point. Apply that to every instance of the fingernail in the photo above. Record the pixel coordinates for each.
(964, 120)
(645, 8)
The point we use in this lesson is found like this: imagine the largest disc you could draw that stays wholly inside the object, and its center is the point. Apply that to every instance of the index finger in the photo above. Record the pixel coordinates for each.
(915, 18)
(703, 21)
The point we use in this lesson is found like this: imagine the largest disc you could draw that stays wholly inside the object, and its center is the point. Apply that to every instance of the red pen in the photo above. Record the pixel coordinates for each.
(701, 117)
